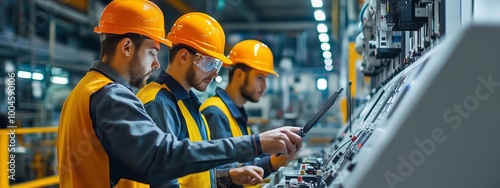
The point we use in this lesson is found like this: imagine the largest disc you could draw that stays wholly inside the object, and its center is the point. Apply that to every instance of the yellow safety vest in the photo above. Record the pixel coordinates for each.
(196, 180)
(233, 125)
(75, 128)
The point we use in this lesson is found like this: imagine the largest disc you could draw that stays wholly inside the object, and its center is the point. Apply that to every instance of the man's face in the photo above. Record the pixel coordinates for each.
(143, 61)
(254, 85)
(197, 78)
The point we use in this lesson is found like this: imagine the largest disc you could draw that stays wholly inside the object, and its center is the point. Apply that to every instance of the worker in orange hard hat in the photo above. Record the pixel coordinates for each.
(195, 59)
(105, 134)
(252, 63)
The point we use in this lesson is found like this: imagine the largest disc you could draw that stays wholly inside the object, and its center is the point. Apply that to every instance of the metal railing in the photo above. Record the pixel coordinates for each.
(5, 139)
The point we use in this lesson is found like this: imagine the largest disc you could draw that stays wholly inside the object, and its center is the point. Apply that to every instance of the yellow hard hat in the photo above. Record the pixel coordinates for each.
(201, 32)
(133, 16)
(255, 54)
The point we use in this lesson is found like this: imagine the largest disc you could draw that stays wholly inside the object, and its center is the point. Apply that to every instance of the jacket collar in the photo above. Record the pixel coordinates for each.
(235, 111)
(109, 72)
(175, 87)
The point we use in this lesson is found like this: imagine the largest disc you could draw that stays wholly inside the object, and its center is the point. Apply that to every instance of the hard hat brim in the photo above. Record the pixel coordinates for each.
(268, 71)
(252, 64)
(163, 41)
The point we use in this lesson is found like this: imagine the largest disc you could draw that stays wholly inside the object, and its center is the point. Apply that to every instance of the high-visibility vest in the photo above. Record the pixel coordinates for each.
(76, 165)
(233, 125)
(198, 180)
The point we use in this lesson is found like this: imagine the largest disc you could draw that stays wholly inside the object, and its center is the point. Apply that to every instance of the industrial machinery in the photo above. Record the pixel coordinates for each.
(395, 33)
(432, 125)
(432, 119)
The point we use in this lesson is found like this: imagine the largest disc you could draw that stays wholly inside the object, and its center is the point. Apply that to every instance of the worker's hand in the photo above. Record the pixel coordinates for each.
(281, 160)
(250, 175)
(282, 140)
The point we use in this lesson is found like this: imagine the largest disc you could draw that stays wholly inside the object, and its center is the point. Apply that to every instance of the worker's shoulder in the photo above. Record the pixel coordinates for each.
(116, 88)
(212, 110)
(213, 102)
(164, 96)
(161, 98)
(113, 92)
(92, 82)
(154, 92)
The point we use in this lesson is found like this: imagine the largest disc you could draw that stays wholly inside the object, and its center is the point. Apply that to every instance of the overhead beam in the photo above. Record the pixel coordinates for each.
(270, 26)
(53, 8)
(179, 5)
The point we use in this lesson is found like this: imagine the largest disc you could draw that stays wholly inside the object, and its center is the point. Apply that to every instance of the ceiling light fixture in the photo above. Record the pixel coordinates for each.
(322, 84)
(325, 46)
(59, 80)
(24, 74)
(323, 37)
(319, 15)
(322, 28)
(327, 54)
(317, 3)
(37, 76)
(328, 61)
(328, 67)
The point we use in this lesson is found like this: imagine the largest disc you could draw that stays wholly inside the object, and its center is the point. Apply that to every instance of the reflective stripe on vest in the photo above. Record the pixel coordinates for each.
(201, 179)
(233, 125)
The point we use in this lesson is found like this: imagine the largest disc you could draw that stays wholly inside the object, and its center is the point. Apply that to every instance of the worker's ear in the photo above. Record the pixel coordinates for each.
(126, 47)
(239, 75)
(182, 56)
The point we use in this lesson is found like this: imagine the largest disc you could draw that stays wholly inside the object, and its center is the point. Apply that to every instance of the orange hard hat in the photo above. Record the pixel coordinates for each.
(201, 32)
(133, 16)
(255, 54)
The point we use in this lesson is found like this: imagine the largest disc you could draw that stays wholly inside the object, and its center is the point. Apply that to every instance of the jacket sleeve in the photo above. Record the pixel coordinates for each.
(217, 122)
(164, 115)
(128, 135)
(264, 163)
(219, 128)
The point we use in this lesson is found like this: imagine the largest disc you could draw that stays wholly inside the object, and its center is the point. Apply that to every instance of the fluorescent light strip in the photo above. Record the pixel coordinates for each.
(24, 74)
(328, 67)
(37, 76)
(322, 28)
(59, 80)
(317, 3)
(319, 15)
(325, 46)
(323, 37)
(321, 84)
(327, 55)
(328, 61)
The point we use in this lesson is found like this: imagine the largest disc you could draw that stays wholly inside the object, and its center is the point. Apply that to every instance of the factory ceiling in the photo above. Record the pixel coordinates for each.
(287, 26)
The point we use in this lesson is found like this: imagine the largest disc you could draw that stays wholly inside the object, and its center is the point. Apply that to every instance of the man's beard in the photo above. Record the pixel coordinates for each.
(191, 79)
(136, 72)
(247, 94)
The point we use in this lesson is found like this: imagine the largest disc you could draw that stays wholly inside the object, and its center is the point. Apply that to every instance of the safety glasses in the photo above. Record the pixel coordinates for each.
(207, 64)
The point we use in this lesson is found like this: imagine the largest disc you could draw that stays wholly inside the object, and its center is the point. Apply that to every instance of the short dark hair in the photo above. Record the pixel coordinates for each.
(245, 68)
(173, 51)
(108, 46)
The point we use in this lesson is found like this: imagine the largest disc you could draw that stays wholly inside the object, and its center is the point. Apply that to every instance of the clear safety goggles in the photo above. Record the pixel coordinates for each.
(207, 64)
